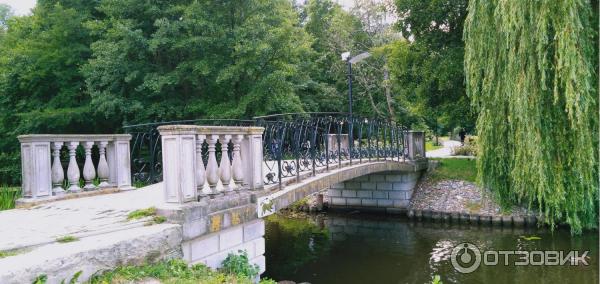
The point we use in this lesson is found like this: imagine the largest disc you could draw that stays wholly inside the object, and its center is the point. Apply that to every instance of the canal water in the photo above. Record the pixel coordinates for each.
(359, 248)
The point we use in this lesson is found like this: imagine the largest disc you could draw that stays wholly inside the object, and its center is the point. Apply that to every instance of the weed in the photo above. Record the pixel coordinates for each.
(67, 239)
(141, 213)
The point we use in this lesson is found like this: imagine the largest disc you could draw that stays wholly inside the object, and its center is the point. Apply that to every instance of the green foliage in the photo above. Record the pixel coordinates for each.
(170, 271)
(427, 74)
(41, 279)
(8, 195)
(67, 239)
(437, 280)
(531, 73)
(455, 169)
(238, 264)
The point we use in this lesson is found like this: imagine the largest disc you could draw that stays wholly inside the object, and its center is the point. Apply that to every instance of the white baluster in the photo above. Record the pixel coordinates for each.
(89, 172)
(58, 175)
(236, 167)
(200, 172)
(212, 169)
(103, 170)
(225, 166)
(73, 169)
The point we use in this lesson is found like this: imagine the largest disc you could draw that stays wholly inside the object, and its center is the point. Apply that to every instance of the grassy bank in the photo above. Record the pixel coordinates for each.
(236, 270)
(455, 169)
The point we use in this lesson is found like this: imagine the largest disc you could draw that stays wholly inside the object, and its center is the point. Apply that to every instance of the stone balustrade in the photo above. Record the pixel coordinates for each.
(190, 166)
(43, 174)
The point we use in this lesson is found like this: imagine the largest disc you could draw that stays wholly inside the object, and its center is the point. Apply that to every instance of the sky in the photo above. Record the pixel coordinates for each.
(20, 7)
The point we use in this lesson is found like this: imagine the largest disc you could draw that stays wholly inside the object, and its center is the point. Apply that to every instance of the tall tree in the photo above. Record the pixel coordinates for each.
(164, 60)
(531, 72)
(429, 75)
(41, 87)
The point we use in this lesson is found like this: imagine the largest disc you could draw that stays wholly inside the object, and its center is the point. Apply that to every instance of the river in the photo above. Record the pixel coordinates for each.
(362, 248)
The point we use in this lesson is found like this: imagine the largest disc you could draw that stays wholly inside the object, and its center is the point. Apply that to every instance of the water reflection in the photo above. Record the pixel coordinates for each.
(357, 248)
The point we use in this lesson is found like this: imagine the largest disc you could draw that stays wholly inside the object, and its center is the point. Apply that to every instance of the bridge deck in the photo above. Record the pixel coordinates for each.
(79, 217)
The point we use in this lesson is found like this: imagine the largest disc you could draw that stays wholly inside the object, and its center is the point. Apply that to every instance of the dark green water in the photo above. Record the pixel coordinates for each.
(358, 248)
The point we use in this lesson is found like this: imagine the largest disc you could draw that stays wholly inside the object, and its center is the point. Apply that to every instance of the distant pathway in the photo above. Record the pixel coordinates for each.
(446, 151)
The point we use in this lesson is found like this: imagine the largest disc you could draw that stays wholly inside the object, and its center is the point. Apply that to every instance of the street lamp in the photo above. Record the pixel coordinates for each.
(351, 60)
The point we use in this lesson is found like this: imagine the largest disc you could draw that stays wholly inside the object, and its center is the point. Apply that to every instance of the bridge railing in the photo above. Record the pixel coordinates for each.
(91, 161)
(299, 142)
(206, 161)
(293, 143)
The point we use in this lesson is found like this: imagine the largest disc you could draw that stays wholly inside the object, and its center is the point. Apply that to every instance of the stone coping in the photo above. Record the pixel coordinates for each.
(25, 202)
(208, 130)
(73, 137)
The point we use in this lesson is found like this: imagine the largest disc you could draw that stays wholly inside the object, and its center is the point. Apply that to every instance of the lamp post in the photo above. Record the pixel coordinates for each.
(351, 60)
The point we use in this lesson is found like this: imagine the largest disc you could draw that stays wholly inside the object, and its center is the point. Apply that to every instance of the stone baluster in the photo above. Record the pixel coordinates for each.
(89, 172)
(236, 167)
(212, 169)
(200, 171)
(103, 169)
(58, 174)
(225, 166)
(73, 169)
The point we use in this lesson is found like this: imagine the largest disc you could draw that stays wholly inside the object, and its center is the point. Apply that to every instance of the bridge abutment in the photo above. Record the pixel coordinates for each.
(387, 191)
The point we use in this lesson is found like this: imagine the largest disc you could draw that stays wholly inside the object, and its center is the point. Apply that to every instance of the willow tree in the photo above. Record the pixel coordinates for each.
(531, 72)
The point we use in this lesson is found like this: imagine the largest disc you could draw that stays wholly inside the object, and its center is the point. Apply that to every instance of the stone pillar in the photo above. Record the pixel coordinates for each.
(179, 163)
(36, 168)
(119, 161)
(416, 144)
(252, 158)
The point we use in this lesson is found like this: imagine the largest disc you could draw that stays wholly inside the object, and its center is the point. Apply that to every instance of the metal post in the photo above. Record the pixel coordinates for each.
(350, 124)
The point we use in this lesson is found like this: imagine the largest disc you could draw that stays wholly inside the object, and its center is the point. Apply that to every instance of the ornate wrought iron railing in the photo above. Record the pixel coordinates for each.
(294, 143)
(146, 149)
(304, 142)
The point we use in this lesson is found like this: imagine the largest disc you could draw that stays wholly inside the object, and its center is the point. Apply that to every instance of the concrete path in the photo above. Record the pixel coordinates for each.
(445, 151)
(80, 217)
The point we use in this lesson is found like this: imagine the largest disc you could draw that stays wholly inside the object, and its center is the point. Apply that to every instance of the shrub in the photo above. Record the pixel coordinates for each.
(466, 150)
(8, 195)
(238, 264)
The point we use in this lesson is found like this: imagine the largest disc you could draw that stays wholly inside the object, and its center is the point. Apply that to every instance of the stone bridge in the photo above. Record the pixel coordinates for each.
(218, 182)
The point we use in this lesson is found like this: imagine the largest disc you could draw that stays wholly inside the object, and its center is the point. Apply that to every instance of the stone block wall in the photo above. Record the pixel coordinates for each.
(390, 191)
(213, 248)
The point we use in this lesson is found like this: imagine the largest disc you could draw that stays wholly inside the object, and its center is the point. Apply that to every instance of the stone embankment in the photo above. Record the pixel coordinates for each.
(463, 201)
(445, 200)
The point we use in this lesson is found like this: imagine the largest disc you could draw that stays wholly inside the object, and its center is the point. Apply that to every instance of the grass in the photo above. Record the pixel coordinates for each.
(455, 169)
(4, 254)
(8, 195)
(171, 272)
(429, 146)
(141, 213)
(67, 239)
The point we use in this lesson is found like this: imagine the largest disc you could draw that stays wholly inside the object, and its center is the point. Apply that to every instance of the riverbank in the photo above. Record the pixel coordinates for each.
(446, 191)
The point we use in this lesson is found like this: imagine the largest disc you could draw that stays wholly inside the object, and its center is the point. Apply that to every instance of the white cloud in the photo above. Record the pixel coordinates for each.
(20, 7)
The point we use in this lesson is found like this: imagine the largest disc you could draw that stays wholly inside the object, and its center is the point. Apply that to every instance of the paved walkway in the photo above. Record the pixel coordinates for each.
(445, 151)
(80, 217)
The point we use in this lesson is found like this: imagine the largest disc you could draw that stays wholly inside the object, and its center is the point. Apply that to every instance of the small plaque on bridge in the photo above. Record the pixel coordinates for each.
(266, 206)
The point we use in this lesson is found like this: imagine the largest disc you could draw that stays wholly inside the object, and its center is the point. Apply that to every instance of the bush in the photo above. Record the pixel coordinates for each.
(8, 195)
(238, 264)
(466, 150)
